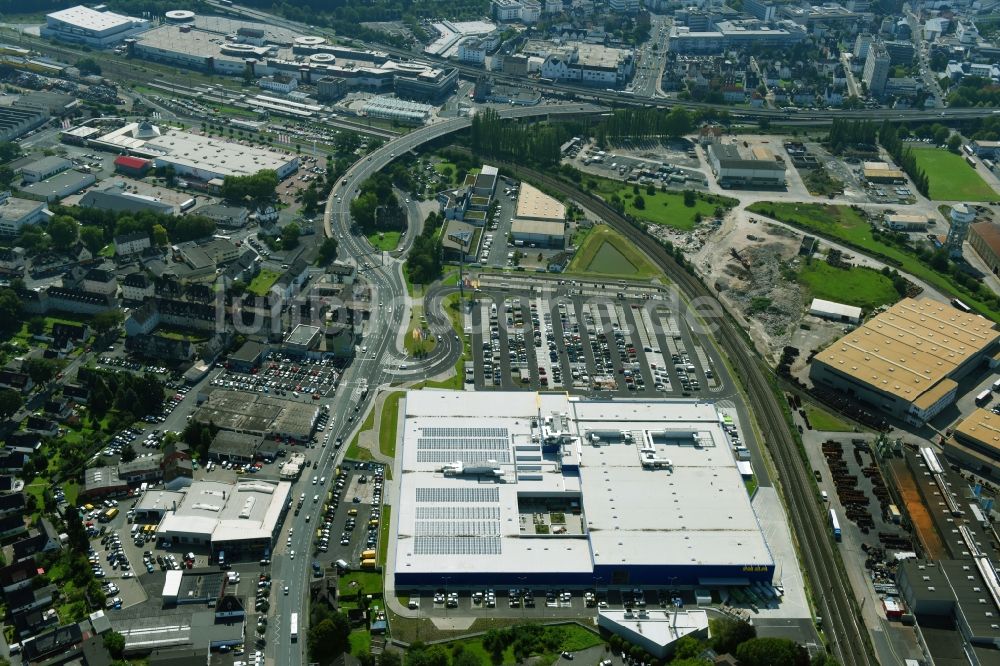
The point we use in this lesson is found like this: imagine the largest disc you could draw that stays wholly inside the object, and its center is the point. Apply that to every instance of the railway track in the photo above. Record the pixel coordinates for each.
(832, 591)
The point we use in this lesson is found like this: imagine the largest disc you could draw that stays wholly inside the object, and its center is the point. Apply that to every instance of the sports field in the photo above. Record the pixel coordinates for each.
(605, 252)
(951, 178)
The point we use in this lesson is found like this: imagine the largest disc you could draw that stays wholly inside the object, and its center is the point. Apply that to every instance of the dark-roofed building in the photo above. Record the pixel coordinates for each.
(19, 381)
(137, 287)
(244, 269)
(76, 393)
(52, 643)
(12, 525)
(143, 320)
(42, 425)
(12, 504)
(117, 200)
(293, 278)
(18, 575)
(76, 333)
(247, 357)
(101, 482)
(58, 408)
(13, 461)
(144, 468)
(131, 243)
(44, 539)
(29, 598)
(10, 484)
(732, 170)
(229, 609)
(79, 301)
(234, 446)
(100, 281)
(159, 347)
(31, 622)
(229, 217)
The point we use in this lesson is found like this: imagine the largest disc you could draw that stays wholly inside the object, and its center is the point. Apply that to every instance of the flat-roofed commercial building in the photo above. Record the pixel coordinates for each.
(907, 360)
(533, 204)
(882, 172)
(257, 414)
(984, 237)
(526, 488)
(44, 168)
(835, 311)
(975, 442)
(539, 233)
(732, 170)
(241, 518)
(16, 213)
(83, 25)
(905, 222)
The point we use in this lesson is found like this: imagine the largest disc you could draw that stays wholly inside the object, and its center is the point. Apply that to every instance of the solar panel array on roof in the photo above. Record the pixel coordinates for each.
(494, 444)
(458, 528)
(485, 495)
(464, 432)
(443, 545)
(463, 455)
(457, 513)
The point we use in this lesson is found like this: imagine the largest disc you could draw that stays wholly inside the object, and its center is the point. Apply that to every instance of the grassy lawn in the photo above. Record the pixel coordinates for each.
(751, 485)
(264, 280)
(369, 581)
(572, 638)
(606, 252)
(383, 534)
(843, 223)
(862, 287)
(107, 251)
(354, 451)
(951, 178)
(666, 208)
(387, 429)
(822, 420)
(361, 642)
(384, 240)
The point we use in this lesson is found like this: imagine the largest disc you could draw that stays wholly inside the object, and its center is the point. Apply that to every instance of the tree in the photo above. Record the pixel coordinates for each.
(107, 320)
(727, 633)
(88, 66)
(36, 325)
(689, 198)
(954, 143)
(64, 231)
(92, 238)
(639, 202)
(290, 236)
(128, 453)
(114, 643)
(327, 251)
(772, 652)
(41, 370)
(329, 638)
(687, 647)
(159, 235)
(941, 134)
(10, 402)
(10, 310)
(6, 176)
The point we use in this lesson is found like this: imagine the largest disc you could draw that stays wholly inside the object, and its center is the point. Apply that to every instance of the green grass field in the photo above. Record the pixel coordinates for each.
(843, 223)
(264, 280)
(666, 208)
(384, 240)
(387, 427)
(822, 420)
(951, 179)
(862, 287)
(572, 638)
(369, 581)
(606, 252)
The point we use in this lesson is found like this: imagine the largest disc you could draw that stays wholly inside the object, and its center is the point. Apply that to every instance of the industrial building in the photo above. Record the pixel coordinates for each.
(16, 122)
(194, 155)
(44, 168)
(458, 241)
(539, 233)
(732, 170)
(526, 488)
(60, 185)
(235, 518)
(835, 311)
(655, 631)
(93, 27)
(975, 443)
(257, 414)
(533, 204)
(905, 222)
(882, 172)
(592, 64)
(397, 110)
(15, 213)
(732, 34)
(984, 237)
(906, 361)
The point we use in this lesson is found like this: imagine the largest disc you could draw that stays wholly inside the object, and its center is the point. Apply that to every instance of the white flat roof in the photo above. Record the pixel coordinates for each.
(695, 512)
(88, 19)
(534, 204)
(248, 509)
(216, 155)
(819, 306)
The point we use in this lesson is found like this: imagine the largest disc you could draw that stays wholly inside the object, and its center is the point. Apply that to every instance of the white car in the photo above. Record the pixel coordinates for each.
(291, 554)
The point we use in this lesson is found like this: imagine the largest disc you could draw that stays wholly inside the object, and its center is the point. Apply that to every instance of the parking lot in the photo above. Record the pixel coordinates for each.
(284, 376)
(625, 345)
(347, 523)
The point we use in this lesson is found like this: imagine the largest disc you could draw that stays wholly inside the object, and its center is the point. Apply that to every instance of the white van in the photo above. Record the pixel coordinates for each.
(824, 495)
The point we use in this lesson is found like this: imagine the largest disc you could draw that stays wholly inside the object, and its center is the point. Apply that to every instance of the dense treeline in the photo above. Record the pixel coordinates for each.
(376, 207)
(850, 134)
(635, 124)
(132, 396)
(258, 188)
(423, 264)
(888, 136)
(974, 91)
(533, 143)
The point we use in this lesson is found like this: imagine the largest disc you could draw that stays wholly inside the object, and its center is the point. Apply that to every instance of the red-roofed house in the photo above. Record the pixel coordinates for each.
(131, 166)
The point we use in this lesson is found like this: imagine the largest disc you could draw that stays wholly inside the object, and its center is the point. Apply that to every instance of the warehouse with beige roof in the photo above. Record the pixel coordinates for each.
(975, 443)
(907, 361)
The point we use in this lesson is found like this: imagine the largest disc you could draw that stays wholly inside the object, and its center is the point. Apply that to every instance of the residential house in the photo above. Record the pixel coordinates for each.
(58, 408)
(78, 394)
(31, 622)
(18, 575)
(42, 539)
(28, 598)
(144, 468)
(160, 347)
(52, 643)
(100, 281)
(131, 243)
(12, 260)
(13, 379)
(142, 320)
(12, 525)
(43, 426)
(137, 287)
(75, 334)
(12, 504)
